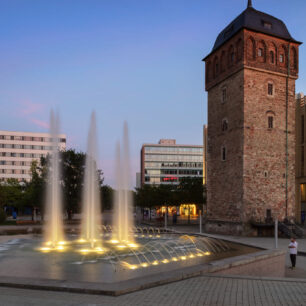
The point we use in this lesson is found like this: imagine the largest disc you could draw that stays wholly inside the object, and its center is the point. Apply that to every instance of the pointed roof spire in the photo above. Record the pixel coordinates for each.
(250, 3)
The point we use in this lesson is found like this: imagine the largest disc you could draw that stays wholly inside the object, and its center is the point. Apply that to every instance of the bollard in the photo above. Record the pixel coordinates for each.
(276, 233)
(200, 222)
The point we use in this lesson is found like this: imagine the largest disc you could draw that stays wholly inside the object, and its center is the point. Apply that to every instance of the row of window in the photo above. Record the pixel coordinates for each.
(29, 138)
(14, 171)
(172, 171)
(173, 149)
(157, 157)
(15, 163)
(25, 155)
(270, 92)
(255, 50)
(24, 147)
(173, 165)
(224, 125)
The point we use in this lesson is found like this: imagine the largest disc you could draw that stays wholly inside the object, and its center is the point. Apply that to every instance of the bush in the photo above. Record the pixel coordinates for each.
(2, 216)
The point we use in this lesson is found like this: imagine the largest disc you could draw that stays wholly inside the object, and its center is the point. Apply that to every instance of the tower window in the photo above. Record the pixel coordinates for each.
(270, 122)
(224, 125)
(223, 154)
(302, 129)
(281, 58)
(260, 52)
(232, 57)
(224, 96)
(270, 89)
(272, 57)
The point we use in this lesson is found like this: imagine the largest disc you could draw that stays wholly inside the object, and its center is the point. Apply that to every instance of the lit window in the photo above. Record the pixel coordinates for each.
(270, 122)
(260, 52)
(270, 89)
(223, 154)
(281, 58)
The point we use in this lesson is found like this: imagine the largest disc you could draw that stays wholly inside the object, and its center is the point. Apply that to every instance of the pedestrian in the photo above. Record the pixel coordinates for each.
(293, 246)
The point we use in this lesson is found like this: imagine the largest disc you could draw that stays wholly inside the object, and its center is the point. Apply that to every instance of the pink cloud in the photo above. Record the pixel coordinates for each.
(29, 108)
(40, 123)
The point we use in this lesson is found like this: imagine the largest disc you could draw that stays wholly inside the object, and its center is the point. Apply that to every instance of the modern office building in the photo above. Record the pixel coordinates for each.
(168, 162)
(300, 154)
(19, 149)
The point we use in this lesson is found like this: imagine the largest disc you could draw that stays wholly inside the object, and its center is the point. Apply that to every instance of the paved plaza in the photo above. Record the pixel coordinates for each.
(205, 290)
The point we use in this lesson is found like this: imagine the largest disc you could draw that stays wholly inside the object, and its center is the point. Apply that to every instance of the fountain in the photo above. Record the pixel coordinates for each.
(54, 224)
(91, 221)
(106, 257)
(123, 217)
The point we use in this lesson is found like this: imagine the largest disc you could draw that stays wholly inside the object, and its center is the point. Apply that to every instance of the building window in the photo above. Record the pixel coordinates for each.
(281, 58)
(272, 57)
(270, 89)
(224, 95)
(260, 52)
(223, 154)
(302, 129)
(224, 125)
(232, 57)
(270, 122)
(267, 25)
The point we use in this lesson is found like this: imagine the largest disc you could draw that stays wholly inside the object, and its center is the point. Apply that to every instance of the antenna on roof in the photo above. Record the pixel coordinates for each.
(250, 3)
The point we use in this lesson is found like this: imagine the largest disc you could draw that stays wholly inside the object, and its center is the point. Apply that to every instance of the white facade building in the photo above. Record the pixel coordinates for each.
(19, 149)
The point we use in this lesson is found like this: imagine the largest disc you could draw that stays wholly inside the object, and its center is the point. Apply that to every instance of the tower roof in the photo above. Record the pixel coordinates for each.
(257, 21)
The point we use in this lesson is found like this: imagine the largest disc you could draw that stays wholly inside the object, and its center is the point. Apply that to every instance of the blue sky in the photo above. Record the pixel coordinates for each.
(131, 60)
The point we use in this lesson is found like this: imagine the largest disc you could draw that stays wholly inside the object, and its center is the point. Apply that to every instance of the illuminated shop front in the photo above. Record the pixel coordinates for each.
(182, 210)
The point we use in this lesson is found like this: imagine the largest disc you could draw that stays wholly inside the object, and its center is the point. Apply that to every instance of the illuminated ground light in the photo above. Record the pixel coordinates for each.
(155, 263)
(174, 259)
(144, 265)
(81, 240)
(191, 256)
(183, 257)
(114, 241)
(97, 250)
(45, 249)
(200, 254)
(132, 267)
(132, 245)
(121, 246)
(62, 242)
(207, 253)
(165, 261)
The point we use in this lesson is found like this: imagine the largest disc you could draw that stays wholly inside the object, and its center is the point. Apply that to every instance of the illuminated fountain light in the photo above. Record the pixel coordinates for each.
(96, 250)
(91, 219)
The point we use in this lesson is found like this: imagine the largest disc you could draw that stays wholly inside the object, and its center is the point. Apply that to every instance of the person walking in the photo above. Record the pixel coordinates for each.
(293, 246)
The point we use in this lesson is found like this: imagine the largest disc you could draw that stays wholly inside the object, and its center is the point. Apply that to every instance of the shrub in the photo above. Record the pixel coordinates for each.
(2, 216)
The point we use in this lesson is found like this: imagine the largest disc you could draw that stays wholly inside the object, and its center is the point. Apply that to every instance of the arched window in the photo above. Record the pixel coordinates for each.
(231, 56)
(223, 61)
(216, 67)
(261, 51)
(272, 57)
(293, 58)
(239, 48)
(251, 49)
(283, 56)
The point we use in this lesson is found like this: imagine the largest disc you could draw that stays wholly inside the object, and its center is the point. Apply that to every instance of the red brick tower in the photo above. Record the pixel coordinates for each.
(251, 123)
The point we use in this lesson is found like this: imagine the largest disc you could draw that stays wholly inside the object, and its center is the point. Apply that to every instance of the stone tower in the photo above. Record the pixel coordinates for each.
(250, 80)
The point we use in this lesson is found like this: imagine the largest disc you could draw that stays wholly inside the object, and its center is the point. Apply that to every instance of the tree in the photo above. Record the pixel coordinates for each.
(107, 196)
